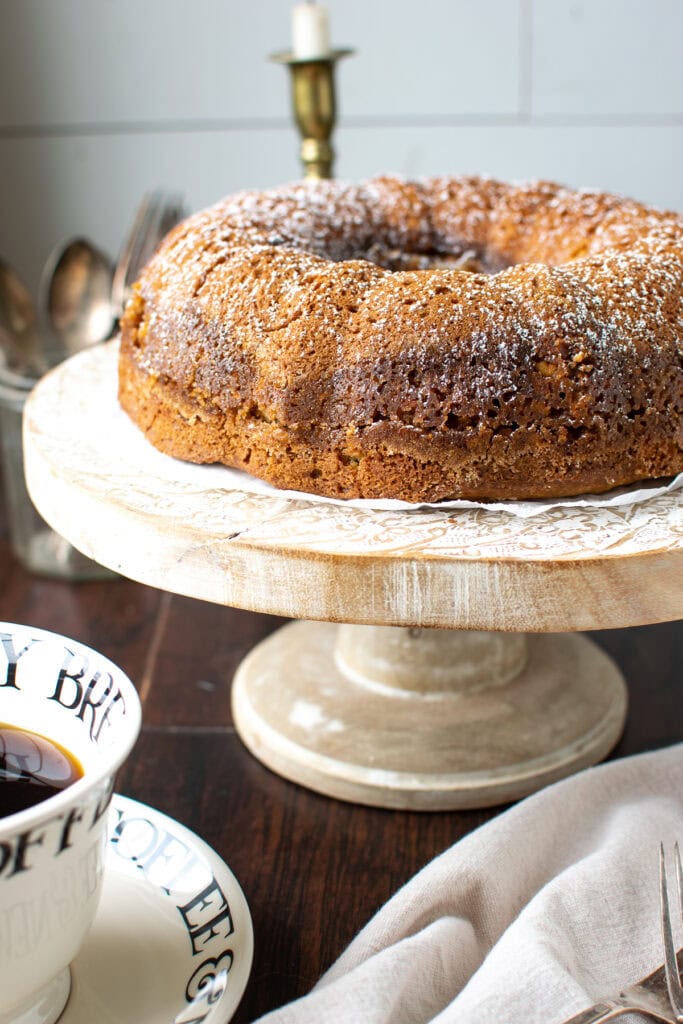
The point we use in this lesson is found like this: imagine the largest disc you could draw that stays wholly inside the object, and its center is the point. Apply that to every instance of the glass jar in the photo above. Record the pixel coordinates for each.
(34, 543)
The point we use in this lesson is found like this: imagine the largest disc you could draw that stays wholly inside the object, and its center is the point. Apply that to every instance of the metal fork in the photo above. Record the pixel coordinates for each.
(158, 212)
(649, 997)
(659, 996)
(671, 969)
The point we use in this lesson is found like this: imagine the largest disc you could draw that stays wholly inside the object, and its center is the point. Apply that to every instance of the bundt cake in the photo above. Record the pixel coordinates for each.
(443, 338)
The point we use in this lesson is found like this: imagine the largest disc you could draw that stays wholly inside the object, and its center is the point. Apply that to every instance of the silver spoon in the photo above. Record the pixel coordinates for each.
(76, 295)
(20, 342)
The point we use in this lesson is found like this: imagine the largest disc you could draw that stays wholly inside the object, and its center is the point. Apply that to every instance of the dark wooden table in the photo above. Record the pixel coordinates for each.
(313, 870)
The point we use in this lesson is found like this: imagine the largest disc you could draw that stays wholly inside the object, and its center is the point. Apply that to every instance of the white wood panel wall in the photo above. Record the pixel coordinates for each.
(102, 99)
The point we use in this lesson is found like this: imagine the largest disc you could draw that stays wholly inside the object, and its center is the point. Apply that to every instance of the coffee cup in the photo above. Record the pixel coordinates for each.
(54, 693)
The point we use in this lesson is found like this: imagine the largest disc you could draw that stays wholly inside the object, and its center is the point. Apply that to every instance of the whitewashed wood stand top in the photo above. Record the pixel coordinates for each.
(497, 699)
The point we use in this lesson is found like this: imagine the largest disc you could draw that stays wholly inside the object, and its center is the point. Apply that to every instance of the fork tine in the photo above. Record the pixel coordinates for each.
(673, 981)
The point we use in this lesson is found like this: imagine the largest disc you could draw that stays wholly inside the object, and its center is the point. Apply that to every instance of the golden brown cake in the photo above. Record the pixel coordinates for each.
(452, 337)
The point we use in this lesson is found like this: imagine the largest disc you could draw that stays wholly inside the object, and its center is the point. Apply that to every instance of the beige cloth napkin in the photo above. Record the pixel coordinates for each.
(533, 917)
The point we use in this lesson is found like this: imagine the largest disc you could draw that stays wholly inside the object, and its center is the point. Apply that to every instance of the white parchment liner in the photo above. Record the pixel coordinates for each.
(619, 496)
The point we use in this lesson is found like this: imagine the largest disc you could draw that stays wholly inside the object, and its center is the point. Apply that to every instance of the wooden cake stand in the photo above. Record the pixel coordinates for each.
(497, 698)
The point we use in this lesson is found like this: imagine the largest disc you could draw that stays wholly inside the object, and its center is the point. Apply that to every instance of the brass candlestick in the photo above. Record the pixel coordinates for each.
(313, 100)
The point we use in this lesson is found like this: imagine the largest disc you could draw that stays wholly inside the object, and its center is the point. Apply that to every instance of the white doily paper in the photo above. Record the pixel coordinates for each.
(236, 479)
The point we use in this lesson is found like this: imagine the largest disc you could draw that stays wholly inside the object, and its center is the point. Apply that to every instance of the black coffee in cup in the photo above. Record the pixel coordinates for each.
(32, 768)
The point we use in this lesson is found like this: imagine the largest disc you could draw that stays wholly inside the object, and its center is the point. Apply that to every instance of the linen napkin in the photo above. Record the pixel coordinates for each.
(534, 916)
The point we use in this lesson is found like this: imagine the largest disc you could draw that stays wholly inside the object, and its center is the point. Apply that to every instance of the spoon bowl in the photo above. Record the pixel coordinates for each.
(76, 295)
(20, 342)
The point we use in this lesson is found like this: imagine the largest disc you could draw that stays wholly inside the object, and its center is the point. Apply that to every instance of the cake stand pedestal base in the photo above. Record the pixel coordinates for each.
(426, 719)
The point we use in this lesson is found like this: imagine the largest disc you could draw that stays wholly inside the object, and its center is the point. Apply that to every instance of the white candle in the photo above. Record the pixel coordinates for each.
(310, 31)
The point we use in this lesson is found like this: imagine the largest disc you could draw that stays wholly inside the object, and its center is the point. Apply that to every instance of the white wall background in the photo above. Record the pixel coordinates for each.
(102, 99)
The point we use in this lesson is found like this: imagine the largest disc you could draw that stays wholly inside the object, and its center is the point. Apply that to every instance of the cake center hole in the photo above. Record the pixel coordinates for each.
(469, 259)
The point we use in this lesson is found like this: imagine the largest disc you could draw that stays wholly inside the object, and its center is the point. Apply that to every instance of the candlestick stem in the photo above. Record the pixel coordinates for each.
(314, 106)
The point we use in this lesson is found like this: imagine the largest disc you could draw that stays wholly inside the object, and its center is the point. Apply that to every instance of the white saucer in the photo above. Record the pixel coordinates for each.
(147, 960)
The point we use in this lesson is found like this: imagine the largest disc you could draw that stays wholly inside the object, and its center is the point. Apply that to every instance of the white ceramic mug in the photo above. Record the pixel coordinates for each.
(52, 854)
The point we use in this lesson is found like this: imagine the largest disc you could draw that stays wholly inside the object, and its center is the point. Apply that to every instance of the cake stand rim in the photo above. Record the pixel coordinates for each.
(656, 568)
